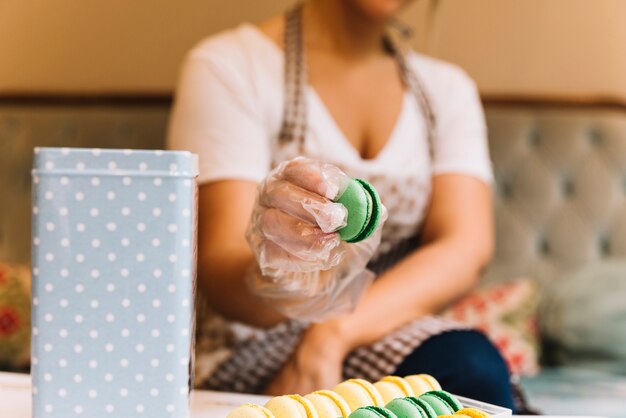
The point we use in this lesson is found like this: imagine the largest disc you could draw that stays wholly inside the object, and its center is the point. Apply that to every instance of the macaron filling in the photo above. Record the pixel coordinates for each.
(369, 388)
(423, 406)
(405, 408)
(430, 381)
(400, 383)
(310, 412)
(337, 400)
(374, 213)
(447, 397)
(364, 211)
(440, 406)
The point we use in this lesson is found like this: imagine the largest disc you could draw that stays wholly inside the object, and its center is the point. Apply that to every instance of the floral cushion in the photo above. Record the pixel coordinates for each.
(507, 314)
(14, 317)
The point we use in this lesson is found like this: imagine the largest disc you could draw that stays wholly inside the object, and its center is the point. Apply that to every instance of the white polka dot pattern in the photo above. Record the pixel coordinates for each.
(113, 284)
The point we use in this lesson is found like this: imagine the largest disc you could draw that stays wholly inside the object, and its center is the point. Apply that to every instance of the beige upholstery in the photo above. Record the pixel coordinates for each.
(561, 176)
(24, 127)
(561, 188)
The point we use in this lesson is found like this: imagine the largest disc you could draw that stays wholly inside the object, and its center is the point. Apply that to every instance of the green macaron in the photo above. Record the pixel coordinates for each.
(440, 406)
(372, 412)
(446, 397)
(364, 210)
(411, 407)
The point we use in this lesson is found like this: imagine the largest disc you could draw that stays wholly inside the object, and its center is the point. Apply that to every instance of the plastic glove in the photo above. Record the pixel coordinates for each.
(303, 268)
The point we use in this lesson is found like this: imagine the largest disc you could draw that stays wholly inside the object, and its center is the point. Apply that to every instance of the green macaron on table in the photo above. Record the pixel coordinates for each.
(433, 404)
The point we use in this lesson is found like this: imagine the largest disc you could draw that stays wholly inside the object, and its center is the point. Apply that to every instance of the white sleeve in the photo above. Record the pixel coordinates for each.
(461, 135)
(216, 116)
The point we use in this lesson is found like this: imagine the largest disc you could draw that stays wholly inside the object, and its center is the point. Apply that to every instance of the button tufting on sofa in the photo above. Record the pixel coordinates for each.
(567, 186)
(534, 136)
(561, 179)
(544, 247)
(604, 243)
(595, 137)
(505, 190)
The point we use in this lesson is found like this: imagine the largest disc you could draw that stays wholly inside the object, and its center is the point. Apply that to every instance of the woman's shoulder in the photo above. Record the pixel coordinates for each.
(237, 47)
(438, 74)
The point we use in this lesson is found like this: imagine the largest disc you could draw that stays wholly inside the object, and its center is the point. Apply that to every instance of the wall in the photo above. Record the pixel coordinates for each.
(571, 48)
(537, 47)
(109, 45)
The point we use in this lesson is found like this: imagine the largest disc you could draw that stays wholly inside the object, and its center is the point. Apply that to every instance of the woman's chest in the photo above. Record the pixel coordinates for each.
(365, 115)
(400, 171)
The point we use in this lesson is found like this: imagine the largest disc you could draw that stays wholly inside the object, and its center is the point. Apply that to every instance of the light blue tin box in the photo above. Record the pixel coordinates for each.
(113, 282)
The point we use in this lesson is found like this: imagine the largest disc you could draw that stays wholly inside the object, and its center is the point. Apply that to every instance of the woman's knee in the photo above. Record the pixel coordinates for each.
(465, 363)
(479, 361)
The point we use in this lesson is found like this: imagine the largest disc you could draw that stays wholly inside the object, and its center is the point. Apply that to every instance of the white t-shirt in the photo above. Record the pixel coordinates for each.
(229, 108)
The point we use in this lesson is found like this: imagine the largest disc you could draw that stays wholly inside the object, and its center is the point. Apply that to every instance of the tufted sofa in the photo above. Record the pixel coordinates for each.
(561, 188)
(560, 197)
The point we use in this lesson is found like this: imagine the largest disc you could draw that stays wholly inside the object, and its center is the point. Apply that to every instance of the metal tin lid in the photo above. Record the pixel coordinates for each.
(115, 162)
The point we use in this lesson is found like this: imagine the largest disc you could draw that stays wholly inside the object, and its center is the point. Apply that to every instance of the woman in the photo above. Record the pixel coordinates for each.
(327, 82)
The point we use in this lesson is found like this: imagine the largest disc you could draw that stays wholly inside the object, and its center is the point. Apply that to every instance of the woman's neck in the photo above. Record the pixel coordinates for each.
(337, 27)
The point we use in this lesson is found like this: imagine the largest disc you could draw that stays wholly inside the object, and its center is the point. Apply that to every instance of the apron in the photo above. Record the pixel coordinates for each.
(239, 358)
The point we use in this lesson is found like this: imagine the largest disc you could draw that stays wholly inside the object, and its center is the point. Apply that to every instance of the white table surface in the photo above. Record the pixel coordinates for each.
(15, 400)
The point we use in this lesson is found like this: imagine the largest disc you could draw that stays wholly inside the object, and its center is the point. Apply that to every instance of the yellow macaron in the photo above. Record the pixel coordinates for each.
(291, 406)
(358, 393)
(392, 387)
(251, 410)
(472, 413)
(422, 383)
(454, 416)
(329, 404)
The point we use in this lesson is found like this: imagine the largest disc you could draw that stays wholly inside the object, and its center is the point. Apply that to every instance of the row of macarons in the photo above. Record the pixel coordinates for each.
(418, 396)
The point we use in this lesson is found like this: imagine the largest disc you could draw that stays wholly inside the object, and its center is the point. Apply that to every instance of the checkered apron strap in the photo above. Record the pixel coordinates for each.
(294, 125)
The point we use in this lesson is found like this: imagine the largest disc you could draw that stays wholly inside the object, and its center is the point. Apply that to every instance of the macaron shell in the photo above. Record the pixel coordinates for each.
(251, 411)
(364, 413)
(339, 401)
(472, 412)
(401, 383)
(358, 204)
(434, 383)
(422, 383)
(358, 393)
(328, 404)
(404, 408)
(375, 211)
(389, 391)
(439, 405)
(291, 406)
(425, 407)
(308, 406)
(448, 398)
(372, 412)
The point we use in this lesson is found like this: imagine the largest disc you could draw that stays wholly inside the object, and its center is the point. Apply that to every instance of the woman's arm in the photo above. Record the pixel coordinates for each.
(224, 255)
(458, 234)
(458, 243)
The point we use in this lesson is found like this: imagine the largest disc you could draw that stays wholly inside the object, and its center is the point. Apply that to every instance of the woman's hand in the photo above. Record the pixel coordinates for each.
(303, 269)
(316, 364)
(293, 224)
